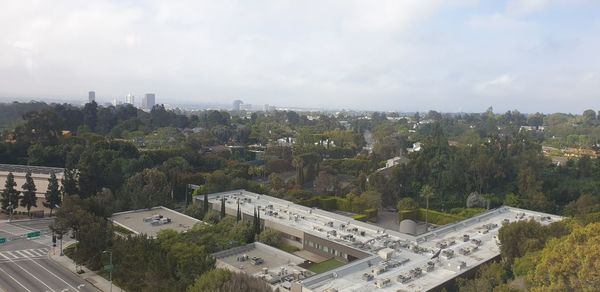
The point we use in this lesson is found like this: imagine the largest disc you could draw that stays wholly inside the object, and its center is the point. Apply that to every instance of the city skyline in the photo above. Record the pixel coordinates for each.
(532, 55)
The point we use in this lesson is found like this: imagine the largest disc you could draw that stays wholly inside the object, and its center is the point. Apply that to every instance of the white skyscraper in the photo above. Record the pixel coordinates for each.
(130, 99)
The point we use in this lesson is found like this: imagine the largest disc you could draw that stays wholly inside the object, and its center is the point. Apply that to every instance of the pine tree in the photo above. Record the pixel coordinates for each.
(28, 198)
(9, 195)
(223, 208)
(239, 213)
(53, 193)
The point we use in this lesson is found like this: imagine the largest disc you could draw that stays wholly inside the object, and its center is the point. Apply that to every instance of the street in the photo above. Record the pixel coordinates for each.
(24, 263)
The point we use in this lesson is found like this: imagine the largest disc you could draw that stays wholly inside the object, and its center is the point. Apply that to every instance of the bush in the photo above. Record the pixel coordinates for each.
(360, 217)
(371, 214)
(438, 218)
(408, 214)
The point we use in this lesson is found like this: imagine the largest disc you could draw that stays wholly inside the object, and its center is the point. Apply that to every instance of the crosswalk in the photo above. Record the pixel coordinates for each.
(16, 255)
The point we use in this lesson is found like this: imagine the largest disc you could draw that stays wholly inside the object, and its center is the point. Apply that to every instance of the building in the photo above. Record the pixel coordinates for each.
(371, 256)
(148, 101)
(237, 105)
(275, 266)
(151, 221)
(130, 99)
(40, 175)
(91, 96)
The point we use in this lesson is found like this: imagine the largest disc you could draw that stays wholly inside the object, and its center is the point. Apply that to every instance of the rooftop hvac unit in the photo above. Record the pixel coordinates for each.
(153, 218)
(382, 283)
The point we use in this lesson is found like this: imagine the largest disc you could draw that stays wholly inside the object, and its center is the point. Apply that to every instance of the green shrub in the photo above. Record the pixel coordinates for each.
(360, 217)
(371, 214)
(438, 218)
(408, 214)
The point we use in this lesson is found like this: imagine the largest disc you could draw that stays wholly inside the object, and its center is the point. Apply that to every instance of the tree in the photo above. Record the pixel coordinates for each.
(53, 197)
(298, 163)
(10, 196)
(270, 237)
(570, 263)
(427, 193)
(519, 238)
(219, 280)
(276, 183)
(28, 198)
(147, 189)
(222, 207)
(69, 182)
(326, 183)
(238, 214)
(205, 205)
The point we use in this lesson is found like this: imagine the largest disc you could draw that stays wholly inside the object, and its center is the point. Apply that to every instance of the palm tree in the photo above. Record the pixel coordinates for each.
(427, 193)
(298, 163)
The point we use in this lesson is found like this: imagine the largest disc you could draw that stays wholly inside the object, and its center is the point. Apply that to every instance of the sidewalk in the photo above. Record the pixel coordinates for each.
(89, 276)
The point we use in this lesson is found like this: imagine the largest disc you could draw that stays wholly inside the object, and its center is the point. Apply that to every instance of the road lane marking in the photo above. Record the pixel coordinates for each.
(26, 271)
(36, 253)
(1, 254)
(28, 253)
(57, 277)
(11, 254)
(1, 269)
(21, 253)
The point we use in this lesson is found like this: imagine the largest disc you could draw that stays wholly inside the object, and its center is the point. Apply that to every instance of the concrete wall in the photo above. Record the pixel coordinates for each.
(40, 180)
(351, 252)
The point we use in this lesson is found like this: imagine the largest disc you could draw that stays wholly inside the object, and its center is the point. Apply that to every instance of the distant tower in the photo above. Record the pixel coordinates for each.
(130, 99)
(114, 103)
(237, 104)
(148, 101)
(91, 96)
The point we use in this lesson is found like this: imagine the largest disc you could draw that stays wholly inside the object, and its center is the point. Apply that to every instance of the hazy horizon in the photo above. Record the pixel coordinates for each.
(450, 56)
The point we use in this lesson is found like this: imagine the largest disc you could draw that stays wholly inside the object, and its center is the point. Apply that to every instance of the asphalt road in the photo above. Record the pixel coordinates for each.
(24, 263)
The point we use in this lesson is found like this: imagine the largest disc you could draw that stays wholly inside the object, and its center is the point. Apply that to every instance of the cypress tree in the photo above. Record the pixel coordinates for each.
(53, 193)
(28, 198)
(9, 194)
(205, 203)
(239, 213)
(258, 230)
(223, 208)
(255, 225)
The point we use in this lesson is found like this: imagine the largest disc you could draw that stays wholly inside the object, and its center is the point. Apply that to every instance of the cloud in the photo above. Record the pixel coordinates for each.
(497, 85)
(404, 54)
(526, 7)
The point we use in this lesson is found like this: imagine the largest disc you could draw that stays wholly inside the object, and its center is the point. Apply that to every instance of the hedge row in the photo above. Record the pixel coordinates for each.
(342, 204)
(434, 217)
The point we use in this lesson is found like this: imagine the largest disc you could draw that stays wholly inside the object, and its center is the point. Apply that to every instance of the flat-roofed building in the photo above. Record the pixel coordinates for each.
(151, 221)
(395, 260)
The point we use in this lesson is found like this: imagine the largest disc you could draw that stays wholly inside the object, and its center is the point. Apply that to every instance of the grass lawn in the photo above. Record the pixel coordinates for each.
(325, 266)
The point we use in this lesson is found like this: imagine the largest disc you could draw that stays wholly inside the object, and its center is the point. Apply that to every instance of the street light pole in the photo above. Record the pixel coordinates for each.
(111, 268)
(10, 208)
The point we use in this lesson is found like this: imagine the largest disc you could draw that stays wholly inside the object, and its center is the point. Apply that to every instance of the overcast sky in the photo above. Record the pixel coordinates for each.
(455, 55)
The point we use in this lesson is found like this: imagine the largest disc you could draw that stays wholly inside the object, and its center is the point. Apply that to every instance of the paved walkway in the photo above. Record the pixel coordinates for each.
(89, 276)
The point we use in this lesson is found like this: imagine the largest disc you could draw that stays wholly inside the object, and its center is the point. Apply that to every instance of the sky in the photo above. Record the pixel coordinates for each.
(402, 55)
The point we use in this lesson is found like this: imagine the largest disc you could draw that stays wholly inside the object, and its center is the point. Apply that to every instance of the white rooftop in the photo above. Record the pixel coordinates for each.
(409, 253)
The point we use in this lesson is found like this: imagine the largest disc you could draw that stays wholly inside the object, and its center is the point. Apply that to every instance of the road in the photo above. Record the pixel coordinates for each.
(24, 263)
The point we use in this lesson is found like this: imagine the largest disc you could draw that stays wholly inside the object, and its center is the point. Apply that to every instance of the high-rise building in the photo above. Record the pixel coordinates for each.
(237, 104)
(130, 99)
(148, 101)
(91, 96)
